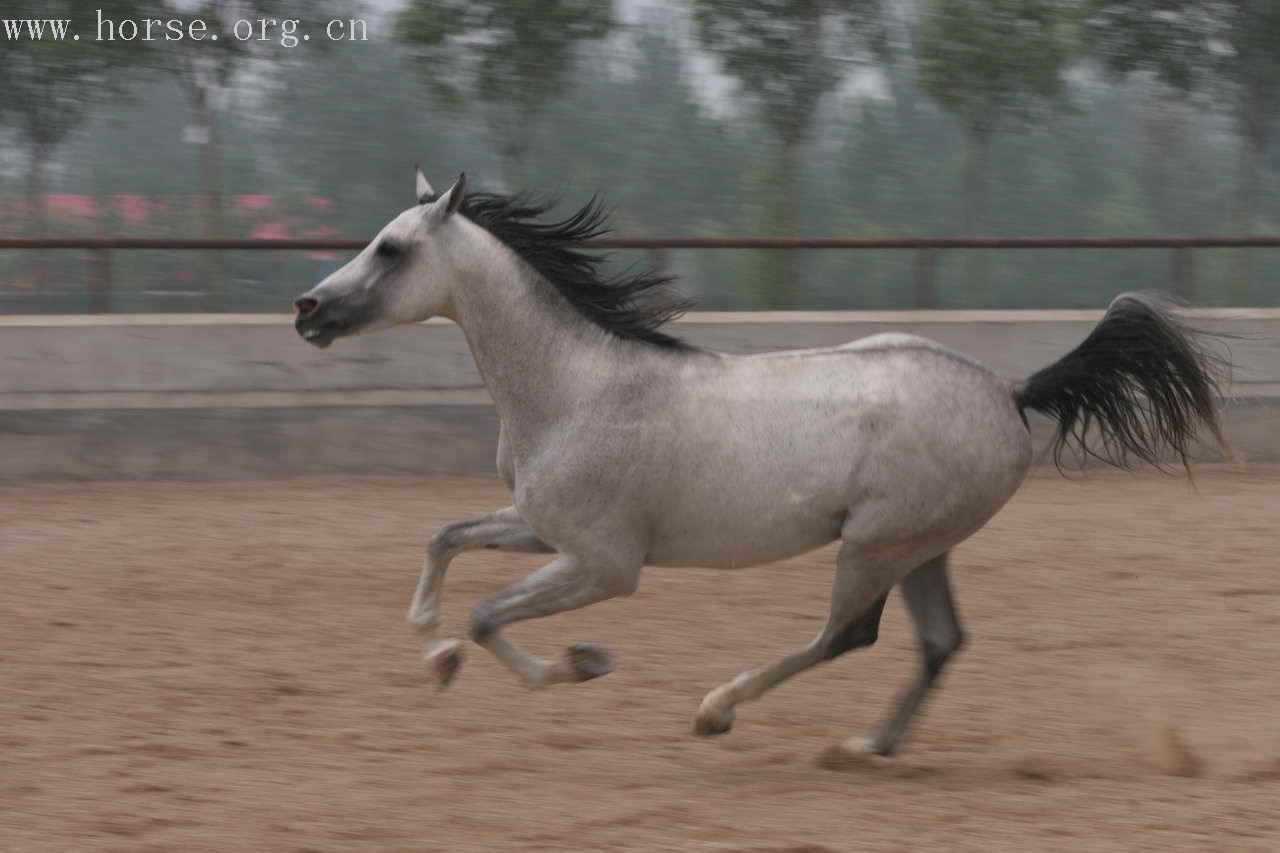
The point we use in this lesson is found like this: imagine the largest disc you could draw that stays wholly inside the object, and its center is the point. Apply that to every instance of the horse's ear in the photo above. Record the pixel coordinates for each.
(422, 187)
(453, 197)
(448, 202)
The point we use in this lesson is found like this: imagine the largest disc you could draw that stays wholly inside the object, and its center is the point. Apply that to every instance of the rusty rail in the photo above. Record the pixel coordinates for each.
(1182, 268)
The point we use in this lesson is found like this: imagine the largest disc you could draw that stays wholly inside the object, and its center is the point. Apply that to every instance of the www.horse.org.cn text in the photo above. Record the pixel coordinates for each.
(285, 32)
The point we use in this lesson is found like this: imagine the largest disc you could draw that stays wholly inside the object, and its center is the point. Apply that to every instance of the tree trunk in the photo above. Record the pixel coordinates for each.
(977, 201)
(514, 130)
(976, 181)
(1161, 125)
(1248, 177)
(38, 214)
(779, 273)
(215, 268)
(513, 167)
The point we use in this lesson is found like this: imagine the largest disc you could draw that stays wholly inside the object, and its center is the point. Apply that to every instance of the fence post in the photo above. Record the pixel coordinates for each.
(99, 281)
(1182, 264)
(924, 269)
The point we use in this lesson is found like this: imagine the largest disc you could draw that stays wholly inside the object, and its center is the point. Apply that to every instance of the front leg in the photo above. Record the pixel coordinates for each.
(503, 530)
(566, 583)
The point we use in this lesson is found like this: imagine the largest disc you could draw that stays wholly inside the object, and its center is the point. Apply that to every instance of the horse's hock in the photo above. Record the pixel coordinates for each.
(121, 397)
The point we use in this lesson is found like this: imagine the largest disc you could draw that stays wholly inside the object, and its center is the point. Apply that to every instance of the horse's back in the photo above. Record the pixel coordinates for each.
(784, 448)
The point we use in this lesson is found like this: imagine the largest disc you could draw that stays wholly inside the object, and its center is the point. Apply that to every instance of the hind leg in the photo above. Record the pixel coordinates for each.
(927, 593)
(857, 599)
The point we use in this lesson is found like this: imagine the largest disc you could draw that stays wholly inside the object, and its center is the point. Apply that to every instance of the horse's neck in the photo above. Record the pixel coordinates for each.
(533, 351)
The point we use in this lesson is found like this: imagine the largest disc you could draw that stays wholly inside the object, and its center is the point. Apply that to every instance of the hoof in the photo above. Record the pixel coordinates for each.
(443, 662)
(708, 724)
(588, 660)
(852, 753)
(859, 746)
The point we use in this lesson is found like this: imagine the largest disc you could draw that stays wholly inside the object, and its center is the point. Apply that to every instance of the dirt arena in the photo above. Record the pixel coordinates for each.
(217, 667)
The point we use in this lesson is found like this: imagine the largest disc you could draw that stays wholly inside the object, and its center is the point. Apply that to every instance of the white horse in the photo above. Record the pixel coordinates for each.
(624, 447)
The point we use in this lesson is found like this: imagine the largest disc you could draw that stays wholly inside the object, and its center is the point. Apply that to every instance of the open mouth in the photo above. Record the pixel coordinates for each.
(315, 336)
(321, 336)
(322, 324)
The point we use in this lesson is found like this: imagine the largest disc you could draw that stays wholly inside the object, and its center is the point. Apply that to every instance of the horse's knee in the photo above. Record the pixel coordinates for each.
(445, 541)
(438, 547)
(483, 624)
(936, 652)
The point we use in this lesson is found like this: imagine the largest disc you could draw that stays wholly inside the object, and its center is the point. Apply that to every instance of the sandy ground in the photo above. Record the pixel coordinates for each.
(225, 667)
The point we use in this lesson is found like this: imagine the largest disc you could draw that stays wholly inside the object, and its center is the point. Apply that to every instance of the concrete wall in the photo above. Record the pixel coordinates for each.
(235, 396)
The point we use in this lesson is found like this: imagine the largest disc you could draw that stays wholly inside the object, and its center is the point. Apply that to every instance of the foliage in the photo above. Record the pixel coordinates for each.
(43, 82)
(634, 113)
(788, 54)
(511, 57)
(1191, 44)
(1225, 51)
(994, 64)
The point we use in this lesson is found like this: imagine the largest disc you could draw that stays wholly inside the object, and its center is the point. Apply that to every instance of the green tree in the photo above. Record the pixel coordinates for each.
(1225, 50)
(787, 55)
(995, 66)
(512, 58)
(46, 86)
(339, 102)
(208, 72)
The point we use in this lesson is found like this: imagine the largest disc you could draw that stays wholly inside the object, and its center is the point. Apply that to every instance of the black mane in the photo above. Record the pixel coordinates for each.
(631, 305)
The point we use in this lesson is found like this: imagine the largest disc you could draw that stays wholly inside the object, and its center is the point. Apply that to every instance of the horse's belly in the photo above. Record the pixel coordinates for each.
(740, 504)
(732, 540)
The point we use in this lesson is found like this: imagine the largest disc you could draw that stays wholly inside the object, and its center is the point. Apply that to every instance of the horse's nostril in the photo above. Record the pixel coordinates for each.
(306, 306)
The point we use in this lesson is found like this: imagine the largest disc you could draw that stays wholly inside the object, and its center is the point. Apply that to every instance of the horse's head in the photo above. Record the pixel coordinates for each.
(400, 277)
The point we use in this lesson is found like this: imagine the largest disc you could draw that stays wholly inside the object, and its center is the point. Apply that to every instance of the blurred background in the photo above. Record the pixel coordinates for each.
(867, 118)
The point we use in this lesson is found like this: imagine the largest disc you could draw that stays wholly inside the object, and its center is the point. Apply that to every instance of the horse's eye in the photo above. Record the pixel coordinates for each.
(389, 249)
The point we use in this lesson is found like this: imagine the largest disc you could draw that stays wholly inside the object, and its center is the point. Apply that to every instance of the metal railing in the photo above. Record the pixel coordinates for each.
(924, 268)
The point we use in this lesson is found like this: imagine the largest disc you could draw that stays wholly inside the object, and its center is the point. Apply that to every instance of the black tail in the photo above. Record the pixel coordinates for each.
(1140, 379)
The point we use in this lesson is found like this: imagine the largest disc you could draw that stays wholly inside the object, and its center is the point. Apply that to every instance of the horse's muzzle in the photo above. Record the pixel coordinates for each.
(314, 322)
